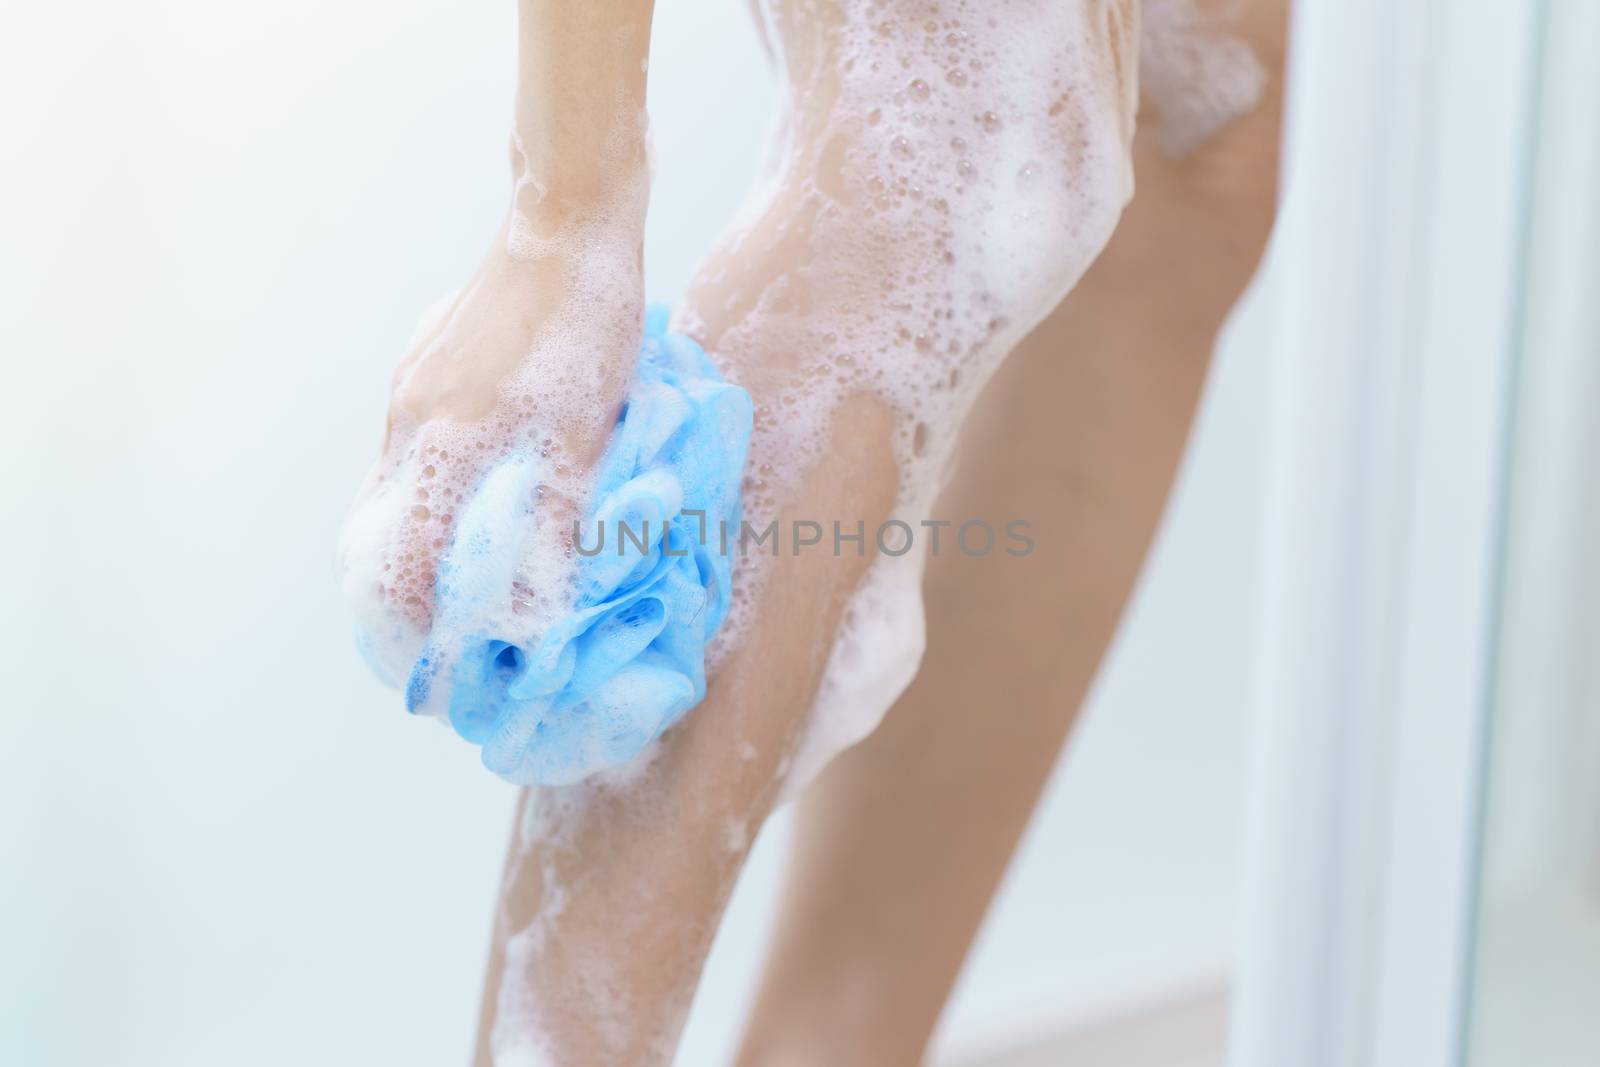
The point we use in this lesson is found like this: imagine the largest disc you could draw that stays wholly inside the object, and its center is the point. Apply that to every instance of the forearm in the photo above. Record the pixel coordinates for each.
(566, 261)
(580, 127)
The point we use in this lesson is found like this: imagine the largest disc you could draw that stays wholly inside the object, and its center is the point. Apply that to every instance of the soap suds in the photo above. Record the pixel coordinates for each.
(971, 167)
(553, 981)
(1199, 75)
(952, 185)
(517, 1037)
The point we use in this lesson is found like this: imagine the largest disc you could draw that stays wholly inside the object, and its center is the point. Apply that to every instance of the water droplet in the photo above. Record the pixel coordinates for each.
(956, 77)
(1028, 174)
(966, 170)
(919, 89)
(901, 147)
(958, 144)
(991, 122)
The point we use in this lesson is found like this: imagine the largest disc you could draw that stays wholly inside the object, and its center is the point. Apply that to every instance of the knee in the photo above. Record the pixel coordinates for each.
(1009, 142)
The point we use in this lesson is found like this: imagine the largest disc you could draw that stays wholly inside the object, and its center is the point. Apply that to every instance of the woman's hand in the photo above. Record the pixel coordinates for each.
(527, 363)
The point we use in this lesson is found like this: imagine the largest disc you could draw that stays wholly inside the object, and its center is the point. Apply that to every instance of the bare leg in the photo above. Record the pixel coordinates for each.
(847, 297)
(613, 889)
(903, 840)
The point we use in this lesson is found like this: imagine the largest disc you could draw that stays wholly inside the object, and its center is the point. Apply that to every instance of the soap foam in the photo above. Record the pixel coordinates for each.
(1197, 73)
(971, 166)
(546, 977)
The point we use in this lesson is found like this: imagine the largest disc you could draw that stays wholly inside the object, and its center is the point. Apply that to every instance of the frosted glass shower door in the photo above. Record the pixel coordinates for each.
(1535, 987)
(1402, 239)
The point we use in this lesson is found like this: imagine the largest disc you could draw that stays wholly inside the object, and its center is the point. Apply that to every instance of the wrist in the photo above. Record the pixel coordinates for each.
(559, 186)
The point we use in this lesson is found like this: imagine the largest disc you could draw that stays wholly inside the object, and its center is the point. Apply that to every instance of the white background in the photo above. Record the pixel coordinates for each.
(220, 841)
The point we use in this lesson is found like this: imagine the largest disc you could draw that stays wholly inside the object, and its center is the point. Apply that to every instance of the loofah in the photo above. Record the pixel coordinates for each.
(651, 580)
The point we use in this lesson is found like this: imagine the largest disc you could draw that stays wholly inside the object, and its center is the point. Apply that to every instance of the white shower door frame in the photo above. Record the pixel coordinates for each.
(1401, 235)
